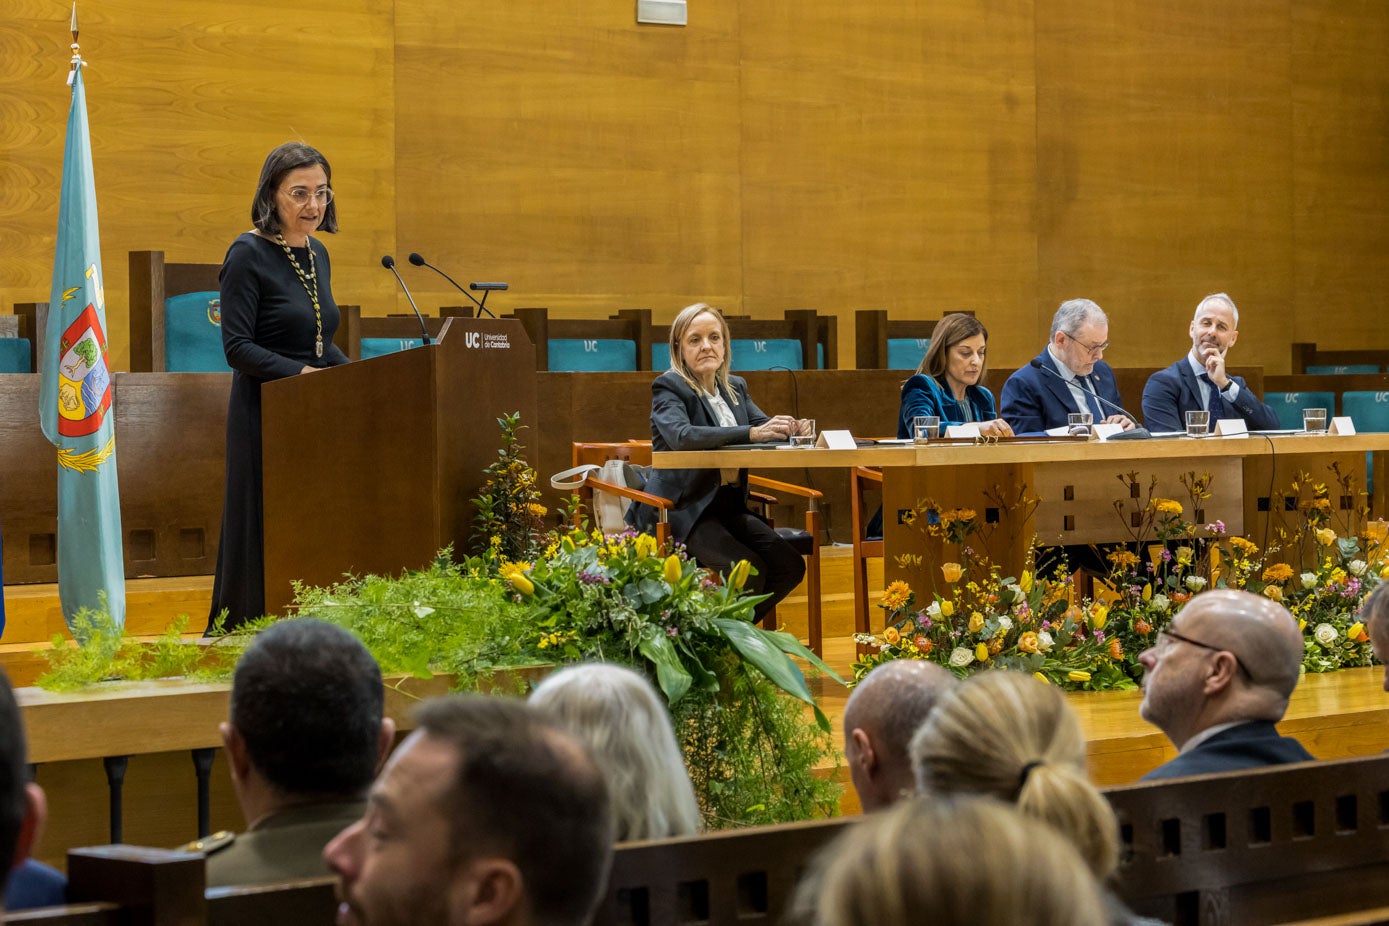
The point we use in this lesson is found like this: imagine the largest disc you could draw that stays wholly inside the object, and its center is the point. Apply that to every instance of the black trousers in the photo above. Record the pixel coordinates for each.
(727, 532)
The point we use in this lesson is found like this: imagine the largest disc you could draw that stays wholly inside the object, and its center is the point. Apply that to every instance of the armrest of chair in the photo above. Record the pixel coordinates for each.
(869, 473)
(790, 488)
(660, 503)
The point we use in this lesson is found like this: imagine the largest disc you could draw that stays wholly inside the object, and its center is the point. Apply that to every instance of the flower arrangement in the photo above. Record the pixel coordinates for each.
(510, 520)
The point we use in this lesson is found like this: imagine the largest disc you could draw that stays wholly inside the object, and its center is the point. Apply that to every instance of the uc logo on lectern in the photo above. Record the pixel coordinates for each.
(472, 339)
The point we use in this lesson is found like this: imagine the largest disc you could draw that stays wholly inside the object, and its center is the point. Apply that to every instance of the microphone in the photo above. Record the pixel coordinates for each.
(1138, 432)
(490, 287)
(419, 261)
(388, 262)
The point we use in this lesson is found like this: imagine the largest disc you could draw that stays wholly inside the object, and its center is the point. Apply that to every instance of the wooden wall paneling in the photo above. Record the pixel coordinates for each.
(889, 161)
(28, 484)
(184, 102)
(590, 162)
(1340, 112)
(1165, 168)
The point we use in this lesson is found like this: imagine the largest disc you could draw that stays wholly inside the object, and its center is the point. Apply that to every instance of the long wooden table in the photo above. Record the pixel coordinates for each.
(1077, 484)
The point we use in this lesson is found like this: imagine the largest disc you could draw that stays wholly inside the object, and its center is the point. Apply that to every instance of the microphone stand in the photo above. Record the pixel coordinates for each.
(388, 262)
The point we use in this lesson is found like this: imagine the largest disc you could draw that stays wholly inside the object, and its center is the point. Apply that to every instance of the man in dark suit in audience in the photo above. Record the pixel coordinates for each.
(486, 814)
(882, 713)
(23, 810)
(304, 740)
(1068, 376)
(1217, 681)
(1199, 382)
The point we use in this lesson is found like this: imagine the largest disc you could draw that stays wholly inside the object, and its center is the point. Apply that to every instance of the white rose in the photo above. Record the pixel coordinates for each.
(1357, 567)
(1309, 580)
(933, 610)
(961, 656)
(1195, 583)
(1018, 594)
(1005, 622)
(1045, 642)
(1325, 634)
(1161, 603)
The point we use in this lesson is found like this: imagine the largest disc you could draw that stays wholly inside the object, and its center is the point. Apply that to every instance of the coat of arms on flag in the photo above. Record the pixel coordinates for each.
(84, 381)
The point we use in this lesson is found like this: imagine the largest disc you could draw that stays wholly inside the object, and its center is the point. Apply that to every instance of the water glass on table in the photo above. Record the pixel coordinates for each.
(807, 436)
(1314, 420)
(925, 428)
(1079, 423)
(1198, 423)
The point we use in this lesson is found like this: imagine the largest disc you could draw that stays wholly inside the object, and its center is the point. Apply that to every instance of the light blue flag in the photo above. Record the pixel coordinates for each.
(75, 398)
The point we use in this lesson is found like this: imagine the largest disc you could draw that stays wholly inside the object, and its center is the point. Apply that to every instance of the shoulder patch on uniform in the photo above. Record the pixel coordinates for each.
(210, 844)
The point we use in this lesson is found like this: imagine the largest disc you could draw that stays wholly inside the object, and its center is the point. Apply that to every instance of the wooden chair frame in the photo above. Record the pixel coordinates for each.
(861, 480)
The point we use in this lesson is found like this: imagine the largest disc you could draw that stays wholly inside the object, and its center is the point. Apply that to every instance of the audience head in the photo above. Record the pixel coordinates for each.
(882, 713)
(485, 814)
(22, 805)
(1079, 335)
(948, 862)
(699, 345)
(958, 344)
(1228, 656)
(289, 157)
(1215, 326)
(306, 712)
(618, 715)
(1006, 735)
(1375, 613)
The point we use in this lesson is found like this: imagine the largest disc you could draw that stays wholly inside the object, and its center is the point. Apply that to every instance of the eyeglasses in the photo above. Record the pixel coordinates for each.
(1094, 350)
(1166, 636)
(301, 196)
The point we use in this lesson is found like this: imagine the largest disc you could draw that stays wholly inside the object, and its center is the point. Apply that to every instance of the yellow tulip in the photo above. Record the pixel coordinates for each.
(1025, 582)
(947, 607)
(1078, 676)
(952, 571)
(1099, 617)
(1041, 678)
(672, 571)
(522, 584)
(1325, 536)
(981, 652)
(1302, 623)
(739, 576)
(567, 545)
(1148, 592)
(1355, 630)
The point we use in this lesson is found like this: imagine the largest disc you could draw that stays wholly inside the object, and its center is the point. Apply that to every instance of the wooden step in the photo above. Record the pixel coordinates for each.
(33, 613)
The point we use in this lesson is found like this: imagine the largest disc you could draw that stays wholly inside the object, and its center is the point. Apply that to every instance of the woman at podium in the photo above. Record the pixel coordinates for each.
(948, 383)
(697, 405)
(278, 320)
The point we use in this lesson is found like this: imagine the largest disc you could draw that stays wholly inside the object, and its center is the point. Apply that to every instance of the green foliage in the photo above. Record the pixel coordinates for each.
(509, 522)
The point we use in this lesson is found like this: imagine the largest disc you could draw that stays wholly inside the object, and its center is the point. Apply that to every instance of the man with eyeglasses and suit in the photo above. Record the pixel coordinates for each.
(1068, 376)
(1219, 679)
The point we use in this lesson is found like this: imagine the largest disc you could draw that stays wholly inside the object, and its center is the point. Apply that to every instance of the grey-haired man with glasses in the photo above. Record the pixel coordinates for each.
(1219, 679)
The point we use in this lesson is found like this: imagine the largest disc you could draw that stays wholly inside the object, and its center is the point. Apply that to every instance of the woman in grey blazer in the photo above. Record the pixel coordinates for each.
(698, 405)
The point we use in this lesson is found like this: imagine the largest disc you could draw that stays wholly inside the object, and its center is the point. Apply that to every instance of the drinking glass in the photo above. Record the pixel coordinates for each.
(925, 428)
(1198, 423)
(1079, 422)
(806, 439)
(1314, 420)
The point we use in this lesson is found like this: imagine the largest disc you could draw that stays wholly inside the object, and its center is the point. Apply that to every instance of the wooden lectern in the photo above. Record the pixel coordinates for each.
(371, 467)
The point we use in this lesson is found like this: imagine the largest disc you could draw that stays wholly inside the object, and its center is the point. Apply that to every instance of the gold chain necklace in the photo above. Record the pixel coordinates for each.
(306, 279)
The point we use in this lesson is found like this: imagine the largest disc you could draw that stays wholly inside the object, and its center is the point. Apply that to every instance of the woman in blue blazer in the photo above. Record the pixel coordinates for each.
(698, 405)
(947, 383)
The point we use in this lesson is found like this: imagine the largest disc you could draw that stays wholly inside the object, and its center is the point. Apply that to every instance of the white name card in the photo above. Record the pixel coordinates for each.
(1342, 425)
(969, 429)
(1231, 427)
(836, 440)
(1105, 431)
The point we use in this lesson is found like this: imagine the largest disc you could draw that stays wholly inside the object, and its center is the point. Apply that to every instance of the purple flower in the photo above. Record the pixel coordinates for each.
(1217, 528)
(1099, 636)
(672, 632)
(593, 578)
(1167, 556)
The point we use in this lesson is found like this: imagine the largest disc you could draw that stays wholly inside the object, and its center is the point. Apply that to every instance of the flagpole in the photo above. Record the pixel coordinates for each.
(77, 61)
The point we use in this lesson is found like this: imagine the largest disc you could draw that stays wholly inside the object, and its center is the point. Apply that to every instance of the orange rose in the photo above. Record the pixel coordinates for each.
(1028, 642)
(952, 571)
(891, 636)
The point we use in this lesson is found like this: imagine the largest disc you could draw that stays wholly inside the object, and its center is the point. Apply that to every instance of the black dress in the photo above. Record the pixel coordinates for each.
(268, 333)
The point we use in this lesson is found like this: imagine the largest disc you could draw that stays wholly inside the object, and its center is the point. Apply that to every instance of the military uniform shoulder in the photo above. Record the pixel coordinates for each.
(211, 844)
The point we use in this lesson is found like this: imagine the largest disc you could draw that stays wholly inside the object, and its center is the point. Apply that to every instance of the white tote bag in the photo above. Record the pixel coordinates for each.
(610, 510)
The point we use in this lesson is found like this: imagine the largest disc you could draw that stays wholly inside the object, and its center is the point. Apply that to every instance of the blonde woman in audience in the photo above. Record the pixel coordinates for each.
(620, 717)
(947, 862)
(1007, 735)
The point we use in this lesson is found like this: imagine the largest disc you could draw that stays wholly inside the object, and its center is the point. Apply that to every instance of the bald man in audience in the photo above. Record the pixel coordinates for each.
(882, 713)
(487, 813)
(1375, 615)
(304, 739)
(1217, 681)
(1199, 381)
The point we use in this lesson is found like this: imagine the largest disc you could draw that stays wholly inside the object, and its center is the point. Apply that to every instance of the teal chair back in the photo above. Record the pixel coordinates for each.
(1343, 370)
(596, 355)
(377, 347)
(771, 354)
(1369, 410)
(1288, 406)
(193, 334)
(906, 353)
(14, 355)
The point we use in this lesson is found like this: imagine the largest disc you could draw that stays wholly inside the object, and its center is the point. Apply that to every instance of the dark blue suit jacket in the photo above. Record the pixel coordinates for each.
(1171, 393)
(681, 419)
(924, 395)
(1034, 400)
(1249, 745)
